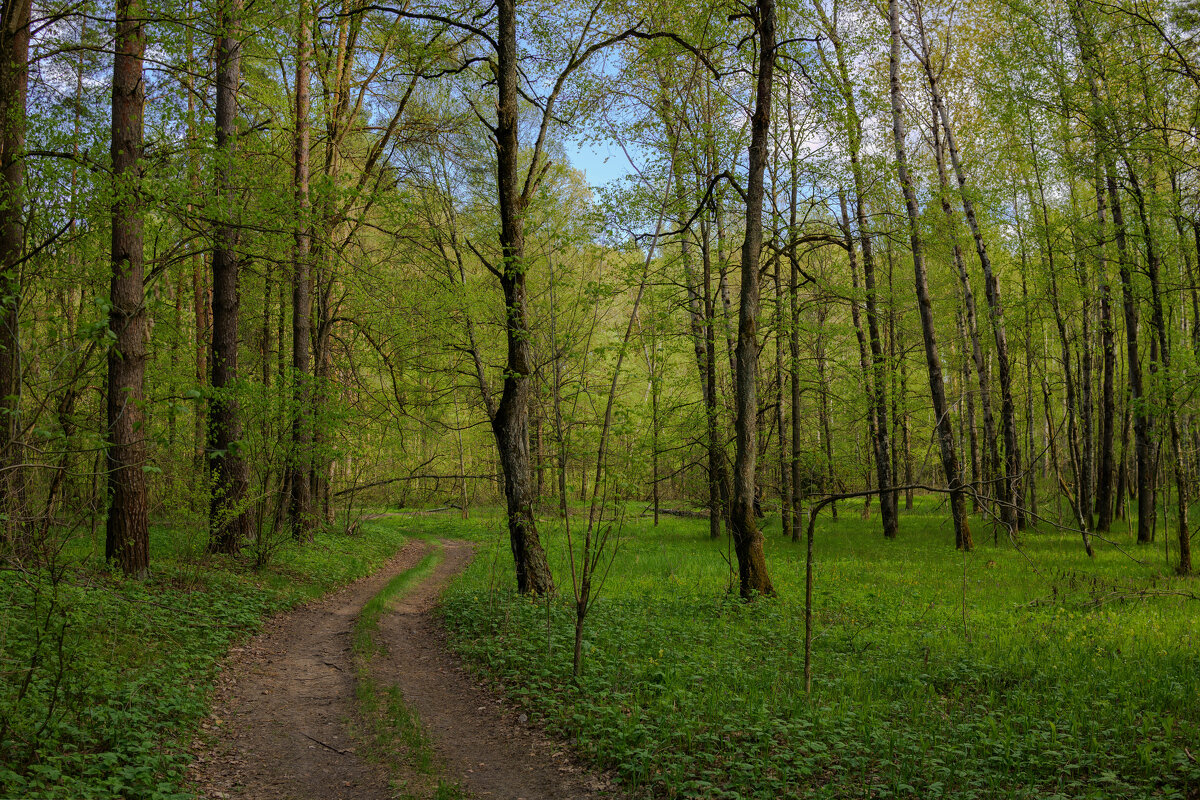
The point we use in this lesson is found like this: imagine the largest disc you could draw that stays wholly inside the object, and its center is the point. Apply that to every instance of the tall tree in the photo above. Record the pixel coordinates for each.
(852, 122)
(1010, 509)
(941, 409)
(299, 474)
(229, 518)
(747, 538)
(14, 90)
(127, 537)
(1107, 145)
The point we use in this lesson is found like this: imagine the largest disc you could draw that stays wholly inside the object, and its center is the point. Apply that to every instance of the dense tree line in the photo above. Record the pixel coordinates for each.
(316, 256)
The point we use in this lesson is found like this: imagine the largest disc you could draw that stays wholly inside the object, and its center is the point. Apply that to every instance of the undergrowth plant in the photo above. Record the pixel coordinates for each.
(1038, 674)
(105, 679)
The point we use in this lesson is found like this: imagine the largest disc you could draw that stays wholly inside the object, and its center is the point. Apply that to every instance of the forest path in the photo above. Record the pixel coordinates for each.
(284, 710)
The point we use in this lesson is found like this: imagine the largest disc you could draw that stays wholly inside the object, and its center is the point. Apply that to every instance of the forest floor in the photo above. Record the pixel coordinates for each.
(287, 718)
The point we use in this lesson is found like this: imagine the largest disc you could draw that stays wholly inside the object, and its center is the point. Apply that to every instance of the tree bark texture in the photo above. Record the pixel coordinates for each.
(14, 89)
(747, 538)
(229, 519)
(511, 423)
(299, 475)
(127, 539)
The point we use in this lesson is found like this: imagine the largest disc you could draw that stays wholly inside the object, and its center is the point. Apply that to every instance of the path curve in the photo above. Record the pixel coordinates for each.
(284, 700)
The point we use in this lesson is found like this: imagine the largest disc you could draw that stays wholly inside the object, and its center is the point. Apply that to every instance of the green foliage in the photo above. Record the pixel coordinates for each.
(105, 679)
(1078, 679)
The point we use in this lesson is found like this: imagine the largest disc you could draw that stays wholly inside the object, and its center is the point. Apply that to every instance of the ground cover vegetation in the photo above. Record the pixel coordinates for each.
(265, 265)
(108, 678)
(1040, 673)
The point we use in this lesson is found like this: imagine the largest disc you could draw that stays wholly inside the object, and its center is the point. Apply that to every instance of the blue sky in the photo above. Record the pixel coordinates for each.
(601, 162)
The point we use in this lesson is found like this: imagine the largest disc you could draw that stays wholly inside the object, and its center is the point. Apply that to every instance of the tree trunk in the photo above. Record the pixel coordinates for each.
(785, 479)
(201, 301)
(1010, 511)
(511, 423)
(972, 437)
(991, 461)
(945, 427)
(1143, 423)
(828, 474)
(881, 442)
(1079, 500)
(299, 477)
(1105, 467)
(794, 343)
(127, 538)
(14, 89)
(747, 539)
(1153, 269)
(229, 519)
(796, 444)
(899, 357)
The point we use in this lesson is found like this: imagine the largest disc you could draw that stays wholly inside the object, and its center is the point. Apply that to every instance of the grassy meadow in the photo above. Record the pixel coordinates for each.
(1001, 673)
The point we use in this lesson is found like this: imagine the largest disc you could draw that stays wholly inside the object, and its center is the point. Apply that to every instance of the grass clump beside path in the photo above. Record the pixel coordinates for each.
(105, 679)
(989, 675)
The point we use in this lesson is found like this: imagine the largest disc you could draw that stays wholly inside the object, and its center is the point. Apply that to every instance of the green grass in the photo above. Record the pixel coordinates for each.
(363, 639)
(104, 680)
(936, 674)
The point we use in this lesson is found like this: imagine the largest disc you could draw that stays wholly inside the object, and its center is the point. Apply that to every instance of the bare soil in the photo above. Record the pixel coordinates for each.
(284, 710)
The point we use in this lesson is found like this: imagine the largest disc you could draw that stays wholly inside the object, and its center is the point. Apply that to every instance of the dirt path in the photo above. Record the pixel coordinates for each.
(284, 701)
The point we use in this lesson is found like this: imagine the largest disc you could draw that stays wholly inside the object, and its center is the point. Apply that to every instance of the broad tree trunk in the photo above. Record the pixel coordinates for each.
(127, 538)
(299, 476)
(14, 89)
(229, 519)
(747, 539)
(511, 423)
(941, 410)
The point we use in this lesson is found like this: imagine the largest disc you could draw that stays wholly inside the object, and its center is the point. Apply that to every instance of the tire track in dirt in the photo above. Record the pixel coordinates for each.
(284, 707)
(481, 741)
